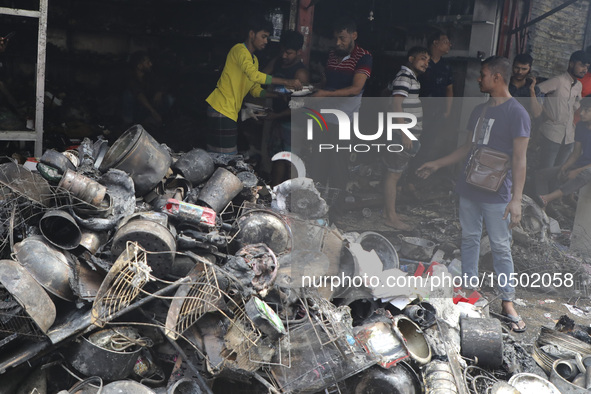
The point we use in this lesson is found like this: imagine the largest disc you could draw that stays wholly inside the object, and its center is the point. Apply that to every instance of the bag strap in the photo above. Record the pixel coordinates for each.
(478, 132)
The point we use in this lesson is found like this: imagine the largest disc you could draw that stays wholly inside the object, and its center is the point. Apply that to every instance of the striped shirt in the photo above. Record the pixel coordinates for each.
(340, 71)
(406, 84)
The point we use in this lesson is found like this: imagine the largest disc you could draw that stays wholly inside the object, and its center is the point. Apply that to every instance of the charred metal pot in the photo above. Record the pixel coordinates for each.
(57, 160)
(401, 379)
(195, 165)
(60, 229)
(264, 226)
(139, 154)
(97, 355)
(482, 339)
(92, 241)
(153, 237)
(220, 189)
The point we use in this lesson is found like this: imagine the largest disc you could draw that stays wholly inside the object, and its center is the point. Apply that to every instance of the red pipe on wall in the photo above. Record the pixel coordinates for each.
(304, 26)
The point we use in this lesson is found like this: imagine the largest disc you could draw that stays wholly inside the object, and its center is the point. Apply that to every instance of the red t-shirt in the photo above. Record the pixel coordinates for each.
(586, 81)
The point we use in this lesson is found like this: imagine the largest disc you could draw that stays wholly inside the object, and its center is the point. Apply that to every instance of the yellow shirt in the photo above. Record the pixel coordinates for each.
(240, 75)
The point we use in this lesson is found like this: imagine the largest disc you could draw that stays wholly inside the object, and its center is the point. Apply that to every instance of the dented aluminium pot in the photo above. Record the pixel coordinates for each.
(416, 248)
(139, 154)
(379, 339)
(29, 294)
(220, 189)
(47, 265)
(370, 240)
(413, 339)
(529, 383)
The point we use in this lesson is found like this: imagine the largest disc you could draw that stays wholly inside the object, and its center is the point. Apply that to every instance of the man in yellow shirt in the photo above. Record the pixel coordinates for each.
(240, 76)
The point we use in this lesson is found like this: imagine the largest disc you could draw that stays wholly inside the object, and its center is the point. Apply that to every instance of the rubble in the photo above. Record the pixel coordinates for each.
(170, 274)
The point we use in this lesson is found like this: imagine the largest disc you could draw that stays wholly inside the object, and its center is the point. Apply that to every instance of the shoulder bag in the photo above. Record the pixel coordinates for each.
(487, 168)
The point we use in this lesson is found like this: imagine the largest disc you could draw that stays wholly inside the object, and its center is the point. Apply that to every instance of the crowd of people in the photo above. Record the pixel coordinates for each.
(556, 108)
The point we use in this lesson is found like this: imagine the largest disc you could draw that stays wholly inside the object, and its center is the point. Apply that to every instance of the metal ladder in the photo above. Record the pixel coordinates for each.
(37, 134)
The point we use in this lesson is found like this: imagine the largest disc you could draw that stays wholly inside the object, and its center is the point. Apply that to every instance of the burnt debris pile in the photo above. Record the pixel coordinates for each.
(129, 268)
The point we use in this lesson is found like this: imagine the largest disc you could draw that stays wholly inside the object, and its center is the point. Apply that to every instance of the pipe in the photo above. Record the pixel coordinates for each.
(543, 16)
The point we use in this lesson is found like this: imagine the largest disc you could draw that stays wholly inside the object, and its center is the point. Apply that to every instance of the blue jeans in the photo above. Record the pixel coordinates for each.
(471, 215)
(553, 154)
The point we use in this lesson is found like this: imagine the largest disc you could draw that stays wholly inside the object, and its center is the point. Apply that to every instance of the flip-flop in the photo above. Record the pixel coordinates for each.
(510, 320)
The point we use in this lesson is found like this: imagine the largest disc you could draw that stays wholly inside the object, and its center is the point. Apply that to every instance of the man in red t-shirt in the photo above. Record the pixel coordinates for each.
(586, 80)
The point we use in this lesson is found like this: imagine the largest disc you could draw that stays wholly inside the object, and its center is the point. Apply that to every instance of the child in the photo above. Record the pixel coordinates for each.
(576, 171)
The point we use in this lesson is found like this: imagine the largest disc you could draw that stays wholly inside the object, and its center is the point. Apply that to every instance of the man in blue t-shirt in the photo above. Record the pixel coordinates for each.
(504, 125)
(576, 171)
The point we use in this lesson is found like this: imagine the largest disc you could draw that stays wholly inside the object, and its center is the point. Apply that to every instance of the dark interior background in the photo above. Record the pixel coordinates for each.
(89, 43)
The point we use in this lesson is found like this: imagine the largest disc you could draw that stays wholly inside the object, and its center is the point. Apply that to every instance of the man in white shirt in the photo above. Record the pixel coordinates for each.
(563, 93)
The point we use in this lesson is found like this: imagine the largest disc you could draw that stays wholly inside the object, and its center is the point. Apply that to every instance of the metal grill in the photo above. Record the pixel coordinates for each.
(332, 321)
(14, 320)
(23, 196)
(193, 300)
(122, 284)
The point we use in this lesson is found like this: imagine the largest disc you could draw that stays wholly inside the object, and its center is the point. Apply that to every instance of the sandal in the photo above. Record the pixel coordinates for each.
(541, 201)
(510, 320)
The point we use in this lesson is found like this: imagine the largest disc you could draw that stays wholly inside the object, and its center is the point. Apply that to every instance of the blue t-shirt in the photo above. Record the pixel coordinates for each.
(583, 135)
(500, 126)
(436, 79)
